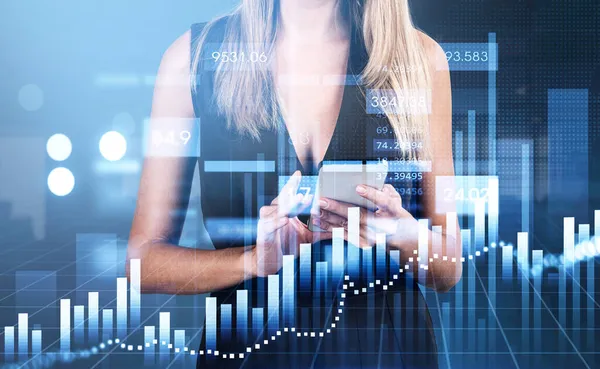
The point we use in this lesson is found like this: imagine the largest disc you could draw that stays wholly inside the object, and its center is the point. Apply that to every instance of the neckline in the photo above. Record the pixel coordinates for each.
(313, 166)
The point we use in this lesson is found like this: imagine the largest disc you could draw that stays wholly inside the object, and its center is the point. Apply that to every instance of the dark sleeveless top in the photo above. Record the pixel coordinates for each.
(389, 329)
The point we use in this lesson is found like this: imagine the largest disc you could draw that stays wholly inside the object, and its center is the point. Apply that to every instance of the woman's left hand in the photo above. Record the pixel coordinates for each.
(389, 218)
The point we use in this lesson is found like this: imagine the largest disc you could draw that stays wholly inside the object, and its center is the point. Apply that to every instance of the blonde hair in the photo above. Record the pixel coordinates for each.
(246, 94)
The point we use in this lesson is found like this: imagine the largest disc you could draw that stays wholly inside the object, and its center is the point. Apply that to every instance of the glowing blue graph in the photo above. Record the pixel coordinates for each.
(119, 324)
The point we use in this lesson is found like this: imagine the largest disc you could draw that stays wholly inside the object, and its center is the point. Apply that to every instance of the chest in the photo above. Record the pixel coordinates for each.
(310, 87)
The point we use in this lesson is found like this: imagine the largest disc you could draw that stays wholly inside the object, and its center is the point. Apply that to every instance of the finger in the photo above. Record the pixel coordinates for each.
(366, 233)
(397, 209)
(289, 198)
(278, 211)
(291, 186)
(304, 204)
(266, 211)
(377, 221)
(380, 198)
(287, 205)
(302, 228)
(337, 215)
(328, 225)
(335, 207)
(332, 218)
(367, 218)
(391, 190)
(322, 224)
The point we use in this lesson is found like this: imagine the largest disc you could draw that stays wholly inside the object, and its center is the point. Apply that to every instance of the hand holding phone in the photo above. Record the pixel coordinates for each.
(339, 182)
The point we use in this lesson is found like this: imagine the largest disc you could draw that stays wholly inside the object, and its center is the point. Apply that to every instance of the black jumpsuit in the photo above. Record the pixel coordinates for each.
(385, 329)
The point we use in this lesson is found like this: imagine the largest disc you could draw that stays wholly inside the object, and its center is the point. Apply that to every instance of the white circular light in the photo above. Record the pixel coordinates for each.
(113, 146)
(61, 181)
(59, 147)
(31, 97)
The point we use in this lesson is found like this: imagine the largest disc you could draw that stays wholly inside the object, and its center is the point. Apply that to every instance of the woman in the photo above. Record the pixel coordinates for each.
(276, 81)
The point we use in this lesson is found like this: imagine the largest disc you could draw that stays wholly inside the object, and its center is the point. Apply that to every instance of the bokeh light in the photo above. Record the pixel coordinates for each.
(59, 147)
(113, 146)
(61, 181)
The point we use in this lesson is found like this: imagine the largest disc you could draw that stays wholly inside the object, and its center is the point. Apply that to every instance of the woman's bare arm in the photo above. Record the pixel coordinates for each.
(164, 189)
(443, 274)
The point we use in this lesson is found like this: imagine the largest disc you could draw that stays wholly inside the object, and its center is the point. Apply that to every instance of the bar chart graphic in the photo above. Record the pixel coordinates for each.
(517, 305)
(87, 330)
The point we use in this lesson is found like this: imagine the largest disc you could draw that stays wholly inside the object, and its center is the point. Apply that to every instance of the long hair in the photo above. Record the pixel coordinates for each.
(246, 93)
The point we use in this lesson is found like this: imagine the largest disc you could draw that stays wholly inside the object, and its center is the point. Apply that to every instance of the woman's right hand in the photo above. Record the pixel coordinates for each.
(275, 225)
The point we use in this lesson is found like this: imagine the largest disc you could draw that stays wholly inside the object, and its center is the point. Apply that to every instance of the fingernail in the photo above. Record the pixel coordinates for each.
(324, 204)
(361, 189)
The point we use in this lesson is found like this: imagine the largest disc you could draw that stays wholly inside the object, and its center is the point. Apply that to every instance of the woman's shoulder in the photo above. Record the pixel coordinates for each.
(178, 55)
(433, 50)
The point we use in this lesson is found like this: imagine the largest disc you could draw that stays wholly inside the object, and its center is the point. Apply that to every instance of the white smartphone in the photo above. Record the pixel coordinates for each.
(338, 181)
